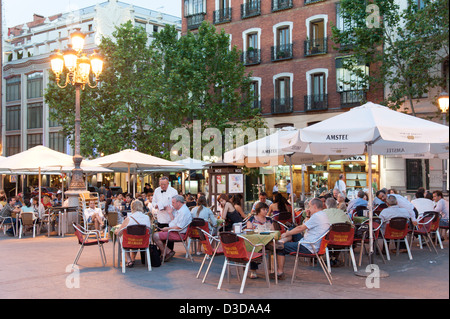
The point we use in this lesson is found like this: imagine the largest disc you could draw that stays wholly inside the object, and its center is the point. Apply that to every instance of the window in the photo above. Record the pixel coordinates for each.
(282, 48)
(317, 98)
(57, 141)
(255, 93)
(250, 8)
(223, 12)
(282, 102)
(345, 25)
(34, 115)
(12, 144)
(192, 7)
(140, 24)
(34, 85)
(13, 89)
(252, 53)
(34, 140)
(13, 118)
(317, 40)
(351, 84)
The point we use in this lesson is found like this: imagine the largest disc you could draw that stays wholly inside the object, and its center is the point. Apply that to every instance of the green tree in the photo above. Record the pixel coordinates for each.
(147, 91)
(403, 50)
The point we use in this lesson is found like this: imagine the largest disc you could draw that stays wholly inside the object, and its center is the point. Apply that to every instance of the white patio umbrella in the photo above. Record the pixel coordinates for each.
(133, 159)
(268, 151)
(36, 158)
(374, 129)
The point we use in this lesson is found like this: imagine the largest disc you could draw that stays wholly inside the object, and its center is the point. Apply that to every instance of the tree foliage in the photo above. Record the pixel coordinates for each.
(146, 91)
(405, 51)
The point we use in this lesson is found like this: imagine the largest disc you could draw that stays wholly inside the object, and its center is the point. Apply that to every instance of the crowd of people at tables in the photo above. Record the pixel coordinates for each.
(170, 210)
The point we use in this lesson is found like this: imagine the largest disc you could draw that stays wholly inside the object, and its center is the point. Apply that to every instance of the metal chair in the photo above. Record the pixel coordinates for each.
(206, 240)
(364, 239)
(27, 219)
(85, 239)
(5, 221)
(315, 254)
(135, 238)
(182, 238)
(192, 232)
(423, 228)
(396, 229)
(236, 254)
(340, 238)
(435, 226)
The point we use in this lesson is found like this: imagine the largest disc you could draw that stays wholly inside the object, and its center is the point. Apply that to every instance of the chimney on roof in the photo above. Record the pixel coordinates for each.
(37, 17)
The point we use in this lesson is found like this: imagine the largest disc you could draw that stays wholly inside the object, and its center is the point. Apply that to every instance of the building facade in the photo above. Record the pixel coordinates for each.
(297, 72)
(26, 67)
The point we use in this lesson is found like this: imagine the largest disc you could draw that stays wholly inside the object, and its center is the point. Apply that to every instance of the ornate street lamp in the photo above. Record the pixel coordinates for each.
(443, 105)
(79, 68)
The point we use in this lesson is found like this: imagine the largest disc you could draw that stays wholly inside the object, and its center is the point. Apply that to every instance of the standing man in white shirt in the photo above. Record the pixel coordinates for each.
(162, 201)
(340, 185)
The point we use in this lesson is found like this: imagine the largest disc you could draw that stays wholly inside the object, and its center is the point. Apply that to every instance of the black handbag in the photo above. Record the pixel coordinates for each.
(155, 255)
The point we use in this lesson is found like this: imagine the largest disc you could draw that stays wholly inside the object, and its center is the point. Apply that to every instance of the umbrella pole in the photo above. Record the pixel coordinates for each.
(292, 188)
(369, 152)
(128, 184)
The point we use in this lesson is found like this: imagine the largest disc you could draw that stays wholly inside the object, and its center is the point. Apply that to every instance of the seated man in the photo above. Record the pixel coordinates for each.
(262, 199)
(358, 201)
(8, 211)
(441, 207)
(401, 202)
(180, 217)
(94, 215)
(336, 215)
(314, 227)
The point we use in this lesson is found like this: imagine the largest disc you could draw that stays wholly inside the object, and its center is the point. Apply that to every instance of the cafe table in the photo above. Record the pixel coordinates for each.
(265, 238)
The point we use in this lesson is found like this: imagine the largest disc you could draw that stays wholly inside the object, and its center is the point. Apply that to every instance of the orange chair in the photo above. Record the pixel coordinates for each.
(192, 232)
(236, 254)
(424, 227)
(182, 238)
(396, 229)
(210, 252)
(435, 226)
(316, 254)
(135, 238)
(85, 239)
(340, 238)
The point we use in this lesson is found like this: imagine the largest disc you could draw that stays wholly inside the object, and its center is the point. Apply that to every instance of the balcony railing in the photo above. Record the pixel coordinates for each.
(352, 98)
(316, 46)
(278, 5)
(256, 104)
(251, 9)
(282, 52)
(222, 16)
(194, 20)
(284, 105)
(316, 102)
(251, 57)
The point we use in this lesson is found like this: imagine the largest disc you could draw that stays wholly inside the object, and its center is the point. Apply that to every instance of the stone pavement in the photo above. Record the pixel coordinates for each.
(37, 268)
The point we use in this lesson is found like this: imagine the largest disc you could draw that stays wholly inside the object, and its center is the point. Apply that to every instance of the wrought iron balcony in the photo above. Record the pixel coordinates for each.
(251, 9)
(282, 52)
(352, 98)
(222, 16)
(316, 102)
(278, 5)
(316, 46)
(251, 56)
(284, 105)
(194, 20)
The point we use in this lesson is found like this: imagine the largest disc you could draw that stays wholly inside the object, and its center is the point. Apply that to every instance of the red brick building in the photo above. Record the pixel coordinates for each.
(297, 71)
(287, 46)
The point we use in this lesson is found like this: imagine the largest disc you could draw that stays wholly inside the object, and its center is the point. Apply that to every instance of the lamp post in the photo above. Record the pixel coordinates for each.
(443, 105)
(78, 67)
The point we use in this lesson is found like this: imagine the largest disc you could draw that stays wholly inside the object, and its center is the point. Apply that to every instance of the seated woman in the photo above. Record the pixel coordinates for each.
(229, 212)
(259, 222)
(203, 211)
(94, 215)
(279, 205)
(136, 217)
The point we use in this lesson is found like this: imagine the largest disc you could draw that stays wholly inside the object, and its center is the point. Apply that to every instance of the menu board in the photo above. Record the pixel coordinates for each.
(236, 183)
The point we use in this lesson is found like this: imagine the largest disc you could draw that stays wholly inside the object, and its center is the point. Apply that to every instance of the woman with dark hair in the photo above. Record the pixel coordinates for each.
(203, 211)
(229, 213)
(279, 205)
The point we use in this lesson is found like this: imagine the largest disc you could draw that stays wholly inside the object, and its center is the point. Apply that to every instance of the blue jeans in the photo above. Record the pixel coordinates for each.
(13, 224)
(291, 247)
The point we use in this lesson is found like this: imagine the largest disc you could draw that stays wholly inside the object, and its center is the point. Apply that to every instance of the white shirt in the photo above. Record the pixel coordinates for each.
(275, 189)
(163, 199)
(404, 203)
(288, 188)
(182, 218)
(88, 212)
(316, 226)
(340, 185)
(139, 219)
(442, 207)
(423, 205)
